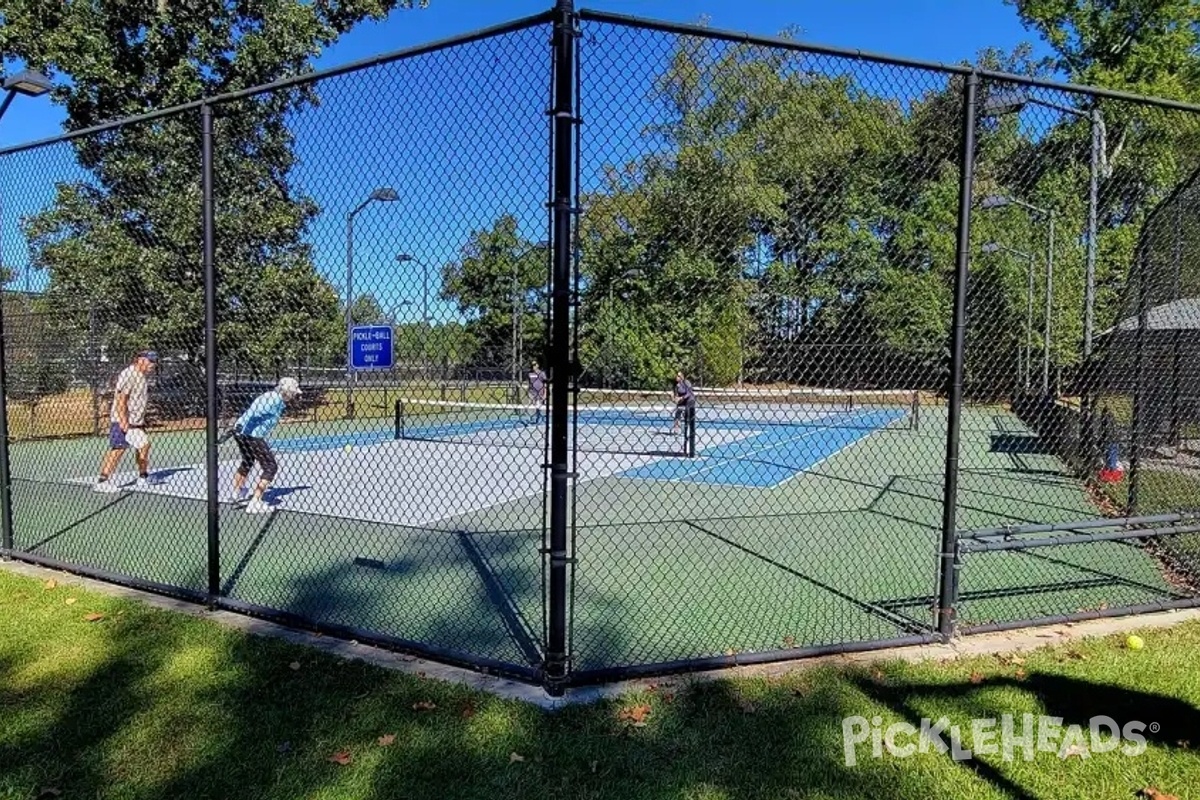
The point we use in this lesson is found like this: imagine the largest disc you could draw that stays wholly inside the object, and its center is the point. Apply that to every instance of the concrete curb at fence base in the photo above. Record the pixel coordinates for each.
(1021, 640)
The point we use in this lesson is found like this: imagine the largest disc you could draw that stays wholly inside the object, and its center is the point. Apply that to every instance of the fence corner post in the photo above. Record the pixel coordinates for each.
(212, 410)
(562, 167)
(948, 557)
(6, 511)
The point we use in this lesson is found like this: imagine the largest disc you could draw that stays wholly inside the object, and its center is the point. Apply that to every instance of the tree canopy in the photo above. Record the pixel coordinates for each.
(122, 239)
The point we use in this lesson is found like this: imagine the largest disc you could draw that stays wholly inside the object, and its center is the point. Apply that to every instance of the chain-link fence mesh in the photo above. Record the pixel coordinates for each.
(773, 228)
(766, 242)
(102, 230)
(402, 278)
(1078, 201)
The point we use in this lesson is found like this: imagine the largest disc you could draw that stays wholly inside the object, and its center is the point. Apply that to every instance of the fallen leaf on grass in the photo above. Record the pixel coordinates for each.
(70, 601)
(50, 584)
(515, 757)
(424, 705)
(468, 711)
(635, 715)
(976, 678)
(341, 757)
(878, 676)
(295, 665)
(1020, 674)
(387, 740)
(1010, 658)
(93, 617)
(1150, 793)
(1077, 750)
(1075, 654)
(746, 706)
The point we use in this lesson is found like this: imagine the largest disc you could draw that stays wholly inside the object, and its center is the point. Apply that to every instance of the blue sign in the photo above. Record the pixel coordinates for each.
(371, 347)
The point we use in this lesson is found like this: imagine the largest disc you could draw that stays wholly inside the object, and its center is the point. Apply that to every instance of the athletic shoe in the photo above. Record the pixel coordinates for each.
(258, 507)
(105, 487)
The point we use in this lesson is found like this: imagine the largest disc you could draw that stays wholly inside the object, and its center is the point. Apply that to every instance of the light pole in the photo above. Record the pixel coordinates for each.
(27, 82)
(383, 194)
(1000, 201)
(405, 258)
(995, 247)
(1012, 103)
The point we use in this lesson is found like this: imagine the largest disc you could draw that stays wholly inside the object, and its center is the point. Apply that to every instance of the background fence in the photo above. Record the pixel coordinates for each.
(938, 322)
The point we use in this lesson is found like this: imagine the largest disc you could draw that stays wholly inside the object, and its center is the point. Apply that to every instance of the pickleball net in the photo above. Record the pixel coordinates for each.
(646, 422)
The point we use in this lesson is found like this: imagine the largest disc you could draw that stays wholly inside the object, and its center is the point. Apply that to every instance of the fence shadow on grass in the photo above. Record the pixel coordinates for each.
(250, 725)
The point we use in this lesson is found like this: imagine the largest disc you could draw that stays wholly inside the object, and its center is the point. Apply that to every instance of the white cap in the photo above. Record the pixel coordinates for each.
(289, 386)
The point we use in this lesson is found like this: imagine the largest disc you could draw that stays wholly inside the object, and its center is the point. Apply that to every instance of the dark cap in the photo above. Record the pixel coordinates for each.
(149, 355)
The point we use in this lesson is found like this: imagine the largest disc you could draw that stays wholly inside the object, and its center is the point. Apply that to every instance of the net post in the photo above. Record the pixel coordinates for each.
(690, 433)
(562, 165)
(948, 558)
(210, 351)
(399, 418)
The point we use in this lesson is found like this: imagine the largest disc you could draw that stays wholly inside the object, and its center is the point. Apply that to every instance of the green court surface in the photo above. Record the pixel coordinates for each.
(671, 562)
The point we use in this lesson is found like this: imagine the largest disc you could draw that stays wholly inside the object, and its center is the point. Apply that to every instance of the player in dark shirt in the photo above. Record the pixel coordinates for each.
(537, 390)
(685, 401)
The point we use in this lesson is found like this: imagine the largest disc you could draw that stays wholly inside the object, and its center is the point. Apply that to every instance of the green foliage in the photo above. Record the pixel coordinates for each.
(124, 239)
(500, 277)
(366, 310)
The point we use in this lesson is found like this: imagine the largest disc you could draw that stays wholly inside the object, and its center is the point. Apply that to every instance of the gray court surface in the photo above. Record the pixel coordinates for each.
(400, 482)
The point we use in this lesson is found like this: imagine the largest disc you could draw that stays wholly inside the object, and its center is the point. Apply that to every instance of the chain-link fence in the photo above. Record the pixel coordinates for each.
(589, 346)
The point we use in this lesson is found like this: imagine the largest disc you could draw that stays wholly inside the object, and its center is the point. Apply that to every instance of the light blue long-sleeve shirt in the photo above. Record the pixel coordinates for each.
(262, 416)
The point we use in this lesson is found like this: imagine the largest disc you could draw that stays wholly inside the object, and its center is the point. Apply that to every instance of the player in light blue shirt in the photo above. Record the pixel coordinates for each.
(251, 432)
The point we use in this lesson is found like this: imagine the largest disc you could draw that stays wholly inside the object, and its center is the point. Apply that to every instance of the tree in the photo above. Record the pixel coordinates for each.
(500, 279)
(366, 310)
(124, 239)
(1145, 46)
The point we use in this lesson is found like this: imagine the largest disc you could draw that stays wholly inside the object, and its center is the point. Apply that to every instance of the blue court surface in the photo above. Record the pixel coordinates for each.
(771, 455)
(731, 449)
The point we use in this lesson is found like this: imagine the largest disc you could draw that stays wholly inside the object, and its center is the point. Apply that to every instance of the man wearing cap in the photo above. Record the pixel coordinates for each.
(250, 432)
(127, 421)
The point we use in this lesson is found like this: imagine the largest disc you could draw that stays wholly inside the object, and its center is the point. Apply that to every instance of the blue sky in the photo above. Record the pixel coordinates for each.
(457, 174)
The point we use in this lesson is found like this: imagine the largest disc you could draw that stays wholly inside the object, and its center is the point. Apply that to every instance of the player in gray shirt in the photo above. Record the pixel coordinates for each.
(128, 414)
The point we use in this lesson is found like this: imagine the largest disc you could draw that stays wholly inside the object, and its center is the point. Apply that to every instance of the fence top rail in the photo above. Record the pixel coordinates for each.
(295, 80)
(879, 58)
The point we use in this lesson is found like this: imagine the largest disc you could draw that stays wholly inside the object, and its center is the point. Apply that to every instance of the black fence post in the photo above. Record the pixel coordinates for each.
(210, 353)
(563, 44)
(948, 559)
(6, 515)
(1137, 424)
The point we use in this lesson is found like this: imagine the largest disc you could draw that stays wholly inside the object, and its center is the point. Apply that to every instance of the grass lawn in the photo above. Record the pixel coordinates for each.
(143, 703)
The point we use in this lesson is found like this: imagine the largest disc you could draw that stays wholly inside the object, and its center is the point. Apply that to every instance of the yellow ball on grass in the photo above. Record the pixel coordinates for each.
(1134, 643)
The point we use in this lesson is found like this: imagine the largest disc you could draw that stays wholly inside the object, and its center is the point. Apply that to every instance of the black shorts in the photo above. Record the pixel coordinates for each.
(254, 449)
(685, 411)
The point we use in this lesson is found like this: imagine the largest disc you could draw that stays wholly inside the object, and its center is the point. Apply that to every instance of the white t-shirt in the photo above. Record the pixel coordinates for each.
(131, 383)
